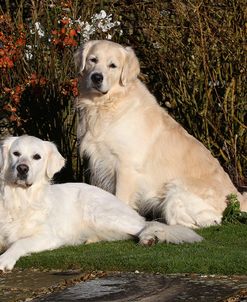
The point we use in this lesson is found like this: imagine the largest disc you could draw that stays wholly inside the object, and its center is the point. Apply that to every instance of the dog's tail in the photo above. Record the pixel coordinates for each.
(159, 232)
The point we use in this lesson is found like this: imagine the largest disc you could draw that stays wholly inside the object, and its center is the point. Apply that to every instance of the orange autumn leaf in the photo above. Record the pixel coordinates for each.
(42, 81)
(13, 118)
(65, 21)
(21, 42)
(63, 31)
(54, 32)
(72, 33)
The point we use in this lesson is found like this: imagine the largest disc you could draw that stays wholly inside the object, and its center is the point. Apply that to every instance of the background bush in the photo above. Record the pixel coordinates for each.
(193, 58)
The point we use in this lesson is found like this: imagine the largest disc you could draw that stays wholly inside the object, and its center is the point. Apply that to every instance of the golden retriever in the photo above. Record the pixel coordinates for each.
(136, 150)
(36, 215)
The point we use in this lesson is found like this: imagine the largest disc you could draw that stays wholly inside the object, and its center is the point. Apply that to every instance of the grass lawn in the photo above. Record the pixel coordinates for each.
(224, 251)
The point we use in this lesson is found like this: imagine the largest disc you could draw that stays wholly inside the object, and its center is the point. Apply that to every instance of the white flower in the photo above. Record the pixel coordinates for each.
(102, 15)
(156, 45)
(109, 37)
(101, 22)
(38, 29)
(79, 22)
(28, 52)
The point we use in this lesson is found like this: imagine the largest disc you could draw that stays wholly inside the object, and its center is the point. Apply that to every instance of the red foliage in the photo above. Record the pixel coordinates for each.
(11, 46)
(66, 36)
(70, 87)
(35, 79)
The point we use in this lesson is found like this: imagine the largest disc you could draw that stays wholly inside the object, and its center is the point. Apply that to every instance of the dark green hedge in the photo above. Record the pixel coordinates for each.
(193, 58)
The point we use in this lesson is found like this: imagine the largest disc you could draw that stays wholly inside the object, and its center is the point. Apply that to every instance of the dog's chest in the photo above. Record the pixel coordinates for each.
(96, 131)
(19, 220)
(99, 147)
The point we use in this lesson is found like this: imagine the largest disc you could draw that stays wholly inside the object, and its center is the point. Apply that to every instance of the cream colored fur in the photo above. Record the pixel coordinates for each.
(137, 151)
(37, 216)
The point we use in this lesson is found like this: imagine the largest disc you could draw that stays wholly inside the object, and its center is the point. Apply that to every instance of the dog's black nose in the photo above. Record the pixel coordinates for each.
(22, 169)
(97, 78)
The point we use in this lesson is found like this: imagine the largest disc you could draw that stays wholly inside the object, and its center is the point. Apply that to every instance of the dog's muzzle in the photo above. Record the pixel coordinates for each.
(22, 170)
(97, 79)
(97, 82)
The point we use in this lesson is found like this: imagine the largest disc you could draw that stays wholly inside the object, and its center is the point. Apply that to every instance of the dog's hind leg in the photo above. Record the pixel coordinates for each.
(185, 208)
(177, 206)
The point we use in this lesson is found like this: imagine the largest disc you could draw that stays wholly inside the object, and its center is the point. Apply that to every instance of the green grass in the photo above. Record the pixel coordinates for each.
(222, 252)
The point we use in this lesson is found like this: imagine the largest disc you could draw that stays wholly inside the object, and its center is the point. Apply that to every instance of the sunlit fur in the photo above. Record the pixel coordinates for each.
(36, 215)
(140, 153)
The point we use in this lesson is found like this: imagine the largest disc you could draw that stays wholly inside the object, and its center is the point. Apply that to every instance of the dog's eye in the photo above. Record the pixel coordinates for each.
(112, 65)
(36, 156)
(16, 153)
(93, 60)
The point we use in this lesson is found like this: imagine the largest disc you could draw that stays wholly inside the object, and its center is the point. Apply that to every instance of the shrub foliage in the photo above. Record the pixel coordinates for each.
(193, 58)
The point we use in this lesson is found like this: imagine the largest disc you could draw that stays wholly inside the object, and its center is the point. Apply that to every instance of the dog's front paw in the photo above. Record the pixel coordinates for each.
(6, 263)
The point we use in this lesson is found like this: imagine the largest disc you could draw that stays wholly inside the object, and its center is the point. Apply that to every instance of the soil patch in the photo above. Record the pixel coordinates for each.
(52, 286)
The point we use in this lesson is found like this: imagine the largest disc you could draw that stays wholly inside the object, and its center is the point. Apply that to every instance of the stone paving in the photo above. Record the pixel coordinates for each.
(52, 286)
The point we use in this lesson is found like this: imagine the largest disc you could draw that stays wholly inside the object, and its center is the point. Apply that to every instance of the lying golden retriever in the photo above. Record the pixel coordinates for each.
(136, 150)
(37, 216)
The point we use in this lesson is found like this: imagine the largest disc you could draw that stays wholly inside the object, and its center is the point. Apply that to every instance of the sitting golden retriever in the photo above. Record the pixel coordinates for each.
(136, 150)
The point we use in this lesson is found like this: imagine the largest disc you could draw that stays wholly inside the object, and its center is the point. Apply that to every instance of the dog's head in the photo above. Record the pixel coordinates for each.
(28, 160)
(104, 65)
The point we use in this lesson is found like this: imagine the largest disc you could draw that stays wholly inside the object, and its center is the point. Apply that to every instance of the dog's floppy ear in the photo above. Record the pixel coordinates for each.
(55, 161)
(131, 67)
(4, 149)
(81, 54)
